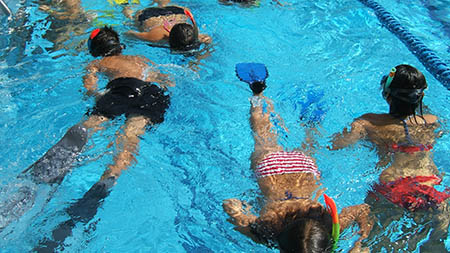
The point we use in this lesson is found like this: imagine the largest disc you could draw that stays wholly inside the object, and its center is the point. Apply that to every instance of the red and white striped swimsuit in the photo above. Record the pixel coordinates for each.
(282, 162)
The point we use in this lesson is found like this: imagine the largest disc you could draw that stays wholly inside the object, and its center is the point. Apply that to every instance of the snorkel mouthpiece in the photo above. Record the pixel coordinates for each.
(331, 207)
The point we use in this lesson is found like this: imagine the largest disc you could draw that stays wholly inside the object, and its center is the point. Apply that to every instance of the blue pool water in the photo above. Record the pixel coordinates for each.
(325, 56)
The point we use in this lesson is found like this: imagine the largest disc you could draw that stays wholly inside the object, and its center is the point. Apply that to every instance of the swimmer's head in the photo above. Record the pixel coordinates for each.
(404, 89)
(184, 37)
(104, 42)
(297, 231)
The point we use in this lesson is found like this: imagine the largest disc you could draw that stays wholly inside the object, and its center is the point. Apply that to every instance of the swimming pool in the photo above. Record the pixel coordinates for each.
(170, 200)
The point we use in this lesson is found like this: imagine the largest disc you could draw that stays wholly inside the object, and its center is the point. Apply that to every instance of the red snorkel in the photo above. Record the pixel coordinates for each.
(94, 33)
(166, 24)
(190, 16)
(331, 207)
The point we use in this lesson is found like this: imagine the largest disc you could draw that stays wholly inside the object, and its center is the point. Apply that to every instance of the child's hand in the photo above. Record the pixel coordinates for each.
(45, 8)
(232, 207)
(239, 212)
(204, 38)
(131, 33)
(127, 12)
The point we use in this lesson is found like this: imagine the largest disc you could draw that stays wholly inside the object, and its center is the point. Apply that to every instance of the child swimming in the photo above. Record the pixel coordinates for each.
(130, 92)
(404, 141)
(168, 24)
(67, 20)
(291, 219)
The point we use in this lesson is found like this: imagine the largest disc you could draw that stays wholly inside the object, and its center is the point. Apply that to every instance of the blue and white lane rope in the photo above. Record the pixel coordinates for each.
(437, 67)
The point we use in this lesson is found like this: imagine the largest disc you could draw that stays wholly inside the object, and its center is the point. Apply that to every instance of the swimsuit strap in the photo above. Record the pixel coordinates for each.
(410, 146)
(408, 136)
(290, 196)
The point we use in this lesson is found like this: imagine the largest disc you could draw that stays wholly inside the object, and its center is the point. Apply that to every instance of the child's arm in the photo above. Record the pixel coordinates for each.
(154, 35)
(72, 9)
(127, 12)
(201, 55)
(361, 215)
(90, 79)
(155, 76)
(346, 138)
(240, 217)
(204, 38)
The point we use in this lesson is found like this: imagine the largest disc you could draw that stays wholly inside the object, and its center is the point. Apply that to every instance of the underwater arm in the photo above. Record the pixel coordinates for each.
(57, 14)
(359, 214)
(155, 76)
(154, 35)
(346, 138)
(239, 216)
(278, 2)
(72, 10)
(201, 55)
(204, 38)
(127, 11)
(90, 79)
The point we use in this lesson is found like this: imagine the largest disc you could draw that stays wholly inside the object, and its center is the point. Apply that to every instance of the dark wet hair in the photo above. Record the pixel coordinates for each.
(299, 232)
(406, 91)
(104, 42)
(184, 37)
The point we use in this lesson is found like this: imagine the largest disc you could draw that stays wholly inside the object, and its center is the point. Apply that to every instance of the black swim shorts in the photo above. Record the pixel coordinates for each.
(131, 96)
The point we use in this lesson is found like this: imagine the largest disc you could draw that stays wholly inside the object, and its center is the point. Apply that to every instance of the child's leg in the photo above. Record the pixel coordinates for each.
(439, 232)
(57, 161)
(264, 134)
(85, 208)
(127, 144)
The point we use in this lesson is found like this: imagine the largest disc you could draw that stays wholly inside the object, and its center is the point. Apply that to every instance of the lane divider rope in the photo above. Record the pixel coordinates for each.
(435, 65)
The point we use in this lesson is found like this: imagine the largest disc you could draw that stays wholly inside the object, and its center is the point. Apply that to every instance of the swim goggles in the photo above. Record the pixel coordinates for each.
(331, 208)
(411, 96)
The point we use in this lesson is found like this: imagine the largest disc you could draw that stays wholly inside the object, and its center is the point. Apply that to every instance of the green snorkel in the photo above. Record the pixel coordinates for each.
(331, 207)
(390, 78)
(386, 82)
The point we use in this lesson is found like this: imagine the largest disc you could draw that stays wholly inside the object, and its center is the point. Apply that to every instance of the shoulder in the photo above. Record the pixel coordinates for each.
(362, 121)
(94, 64)
(430, 118)
(369, 117)
(136, 58)
(376, 119)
